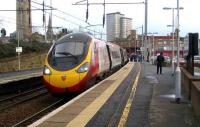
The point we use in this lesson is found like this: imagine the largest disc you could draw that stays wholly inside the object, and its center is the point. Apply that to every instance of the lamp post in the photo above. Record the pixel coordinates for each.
(153, 49)
(178, 71)
(145, 26)
(142, 41)
(19, 35)
(51, 22)
(169, 8)
(172, 46)
(153, 45)
(145, 33)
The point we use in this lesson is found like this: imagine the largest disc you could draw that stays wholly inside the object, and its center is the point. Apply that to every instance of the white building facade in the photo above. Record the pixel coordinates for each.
(113, 25)
(125, 27)
(117, 26)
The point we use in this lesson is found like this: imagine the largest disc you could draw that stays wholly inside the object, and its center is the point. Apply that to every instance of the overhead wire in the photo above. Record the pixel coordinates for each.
(64, 19)
(62, 12)
(60, 17)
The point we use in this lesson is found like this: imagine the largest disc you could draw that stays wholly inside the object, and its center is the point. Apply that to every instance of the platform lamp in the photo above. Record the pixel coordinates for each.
(178, 71)
(153, 43)
(142, 28)
(170, 8)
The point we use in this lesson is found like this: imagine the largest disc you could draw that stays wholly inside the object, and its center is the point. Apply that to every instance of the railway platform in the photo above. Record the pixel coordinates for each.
(132, 97)
(7, 77)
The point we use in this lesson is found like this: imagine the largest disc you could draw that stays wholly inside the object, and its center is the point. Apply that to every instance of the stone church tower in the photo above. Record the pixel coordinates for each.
(23, 19)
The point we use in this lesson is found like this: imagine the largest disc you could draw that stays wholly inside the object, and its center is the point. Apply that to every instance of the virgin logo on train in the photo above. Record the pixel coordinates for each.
(63, 78)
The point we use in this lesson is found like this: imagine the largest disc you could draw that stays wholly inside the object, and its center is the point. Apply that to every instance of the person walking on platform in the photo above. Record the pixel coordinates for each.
(160, 59)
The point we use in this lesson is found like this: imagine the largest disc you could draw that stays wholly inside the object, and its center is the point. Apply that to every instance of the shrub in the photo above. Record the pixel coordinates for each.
(9, 49)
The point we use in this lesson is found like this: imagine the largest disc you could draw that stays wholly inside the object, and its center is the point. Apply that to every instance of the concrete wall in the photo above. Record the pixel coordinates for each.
(191, 89)
(186, 82)
(195, 97)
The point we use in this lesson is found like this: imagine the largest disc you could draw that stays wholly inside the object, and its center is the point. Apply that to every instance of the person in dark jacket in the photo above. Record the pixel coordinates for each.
(160, 59)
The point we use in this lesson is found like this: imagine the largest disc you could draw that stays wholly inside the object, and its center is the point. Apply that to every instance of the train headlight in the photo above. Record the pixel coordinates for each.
(46, 71)
(83, 68)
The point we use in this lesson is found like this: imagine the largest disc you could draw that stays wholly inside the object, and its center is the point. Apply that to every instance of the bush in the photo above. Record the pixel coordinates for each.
(9, 50)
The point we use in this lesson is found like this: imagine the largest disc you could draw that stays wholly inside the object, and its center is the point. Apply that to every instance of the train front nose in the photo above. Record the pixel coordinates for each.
(64, 80)
(60, 81)
(63, 60)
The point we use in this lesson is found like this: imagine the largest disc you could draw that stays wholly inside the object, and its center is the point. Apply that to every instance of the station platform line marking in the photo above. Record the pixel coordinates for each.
(43, 119)
(84, 117)
(124, 116)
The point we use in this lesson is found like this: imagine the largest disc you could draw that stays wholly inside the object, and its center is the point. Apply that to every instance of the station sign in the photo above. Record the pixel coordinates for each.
(19, 49)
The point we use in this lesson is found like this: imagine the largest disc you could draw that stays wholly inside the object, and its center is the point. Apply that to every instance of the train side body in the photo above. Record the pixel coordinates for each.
(115, 54)
(124, 56)
(103, 56)
(75, 60)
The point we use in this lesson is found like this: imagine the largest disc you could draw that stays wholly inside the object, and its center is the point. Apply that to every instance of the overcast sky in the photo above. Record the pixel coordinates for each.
(158, 19)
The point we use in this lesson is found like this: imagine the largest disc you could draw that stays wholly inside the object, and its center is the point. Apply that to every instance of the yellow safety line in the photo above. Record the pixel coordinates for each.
(82, 119)
(124, 116)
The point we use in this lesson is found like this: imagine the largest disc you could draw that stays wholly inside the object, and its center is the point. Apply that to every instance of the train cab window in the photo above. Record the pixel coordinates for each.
(66, 55)
(69, 48)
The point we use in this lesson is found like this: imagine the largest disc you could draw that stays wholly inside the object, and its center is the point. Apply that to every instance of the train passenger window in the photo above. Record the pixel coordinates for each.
(115, 54)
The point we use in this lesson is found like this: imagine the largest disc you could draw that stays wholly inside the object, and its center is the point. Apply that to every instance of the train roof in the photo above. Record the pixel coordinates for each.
(83, 37)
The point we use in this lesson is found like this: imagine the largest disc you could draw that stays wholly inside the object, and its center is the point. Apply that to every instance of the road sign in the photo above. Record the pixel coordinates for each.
(18, 49)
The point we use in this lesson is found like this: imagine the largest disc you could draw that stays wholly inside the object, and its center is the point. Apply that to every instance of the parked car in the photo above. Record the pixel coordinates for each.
(167, 59)
(182, 61)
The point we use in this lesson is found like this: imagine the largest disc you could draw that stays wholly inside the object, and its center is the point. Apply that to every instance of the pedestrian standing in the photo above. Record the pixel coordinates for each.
(160, 59)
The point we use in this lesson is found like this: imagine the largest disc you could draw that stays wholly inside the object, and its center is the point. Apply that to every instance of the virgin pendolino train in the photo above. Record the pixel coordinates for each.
(77, 60)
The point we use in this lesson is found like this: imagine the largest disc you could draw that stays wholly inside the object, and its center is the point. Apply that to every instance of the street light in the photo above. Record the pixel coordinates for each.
(153, 45)
(142, 40)
(170, 8)
(172, 47)
(145, 26)
(19, 35)
(145, 31)
(178, 71)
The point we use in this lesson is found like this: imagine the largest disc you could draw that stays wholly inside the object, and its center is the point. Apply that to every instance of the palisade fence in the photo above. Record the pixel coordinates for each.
(28, 61)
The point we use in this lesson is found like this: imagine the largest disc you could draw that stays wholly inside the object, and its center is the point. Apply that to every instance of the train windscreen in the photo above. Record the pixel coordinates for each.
(66, 55)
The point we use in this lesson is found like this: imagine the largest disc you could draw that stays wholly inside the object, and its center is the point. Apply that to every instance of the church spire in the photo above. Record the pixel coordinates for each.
(50, 30)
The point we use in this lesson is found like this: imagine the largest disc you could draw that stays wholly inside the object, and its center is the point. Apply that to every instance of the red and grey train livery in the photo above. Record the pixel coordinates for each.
(77, 59)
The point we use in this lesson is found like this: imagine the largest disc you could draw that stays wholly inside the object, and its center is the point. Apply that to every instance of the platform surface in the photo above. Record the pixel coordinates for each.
(132, 97)
(7, 77)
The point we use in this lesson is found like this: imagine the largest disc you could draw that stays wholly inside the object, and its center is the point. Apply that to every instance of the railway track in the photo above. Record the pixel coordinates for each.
(24, 108)
(14, 100)
(38, 114)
